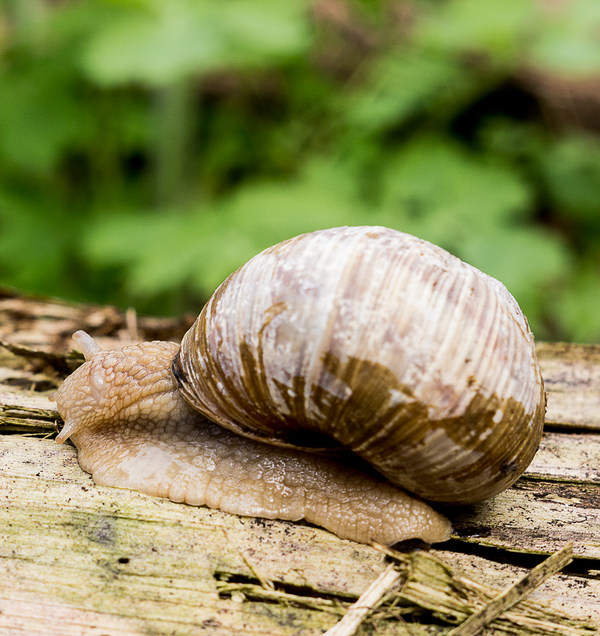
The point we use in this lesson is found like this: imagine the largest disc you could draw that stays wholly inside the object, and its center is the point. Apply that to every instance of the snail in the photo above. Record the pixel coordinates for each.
(326, 379)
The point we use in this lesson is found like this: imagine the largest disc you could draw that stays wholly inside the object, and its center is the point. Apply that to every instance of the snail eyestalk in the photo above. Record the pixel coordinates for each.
(87, 345)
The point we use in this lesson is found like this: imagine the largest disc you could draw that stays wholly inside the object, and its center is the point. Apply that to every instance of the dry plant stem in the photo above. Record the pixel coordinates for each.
(515, 593)
(265, 582)
(368, 600)
(252, 592)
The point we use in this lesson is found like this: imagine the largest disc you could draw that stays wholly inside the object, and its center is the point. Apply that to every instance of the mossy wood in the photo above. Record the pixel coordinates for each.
(81, 559)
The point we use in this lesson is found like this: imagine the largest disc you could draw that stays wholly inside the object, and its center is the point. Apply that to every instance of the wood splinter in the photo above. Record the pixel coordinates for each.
(474, 624)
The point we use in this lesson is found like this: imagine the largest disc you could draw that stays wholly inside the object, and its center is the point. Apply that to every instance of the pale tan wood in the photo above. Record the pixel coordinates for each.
(571, 374)
(446, 594)
(579, 596)
(515, 593)
(535, 516)
(357, 612)
(28, 404)
(429, 580)
(567, 457)
(42, 476)
(106, 552)
(79, 559)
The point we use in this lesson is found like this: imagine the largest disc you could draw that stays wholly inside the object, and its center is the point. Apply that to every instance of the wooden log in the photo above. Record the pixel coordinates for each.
(105, 553)
(82, 559)
(571, 374)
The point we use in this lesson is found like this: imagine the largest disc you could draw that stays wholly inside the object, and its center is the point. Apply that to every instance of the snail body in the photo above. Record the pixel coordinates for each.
(359, 339)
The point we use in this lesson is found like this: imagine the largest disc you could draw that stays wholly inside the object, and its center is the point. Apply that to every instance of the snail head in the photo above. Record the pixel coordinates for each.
(132, 384)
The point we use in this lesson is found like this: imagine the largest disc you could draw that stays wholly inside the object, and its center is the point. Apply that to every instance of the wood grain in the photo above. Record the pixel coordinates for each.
(66, 543)
(571, 374)
(78, 559)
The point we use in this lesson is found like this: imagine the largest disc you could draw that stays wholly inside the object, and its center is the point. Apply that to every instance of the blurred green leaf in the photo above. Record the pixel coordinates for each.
(572, 175)
(568, 40)
(402, 85)
(433, 188)
(204, 245)
(35, 249)
(160, 249)
(167, 40)
(578, 308)
(515, 141)
(497, 27)
(529, 261)
(40, 115)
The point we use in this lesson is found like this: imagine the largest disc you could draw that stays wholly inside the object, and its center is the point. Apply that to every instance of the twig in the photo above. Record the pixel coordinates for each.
(254, 592)
(515, 593)
(357, 612)
(266, 583)
(263, 580)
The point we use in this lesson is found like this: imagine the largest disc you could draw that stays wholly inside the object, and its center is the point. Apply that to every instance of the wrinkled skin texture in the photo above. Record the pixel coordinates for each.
(123, 411)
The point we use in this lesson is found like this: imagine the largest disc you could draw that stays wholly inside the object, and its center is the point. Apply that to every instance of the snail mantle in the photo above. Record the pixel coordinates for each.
(343, 377)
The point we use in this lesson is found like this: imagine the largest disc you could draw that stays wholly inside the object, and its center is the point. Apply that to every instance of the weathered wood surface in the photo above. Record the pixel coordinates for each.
(80, 559)
(572, 376)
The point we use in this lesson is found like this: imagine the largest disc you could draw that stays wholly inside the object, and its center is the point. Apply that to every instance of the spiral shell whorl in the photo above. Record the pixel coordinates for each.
(397, 350)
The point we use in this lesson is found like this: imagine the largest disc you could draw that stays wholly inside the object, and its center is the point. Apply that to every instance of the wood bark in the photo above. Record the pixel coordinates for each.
(79, 559)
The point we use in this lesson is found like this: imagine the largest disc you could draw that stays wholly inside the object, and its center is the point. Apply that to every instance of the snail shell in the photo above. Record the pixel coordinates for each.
(359, 339)
(391, 347)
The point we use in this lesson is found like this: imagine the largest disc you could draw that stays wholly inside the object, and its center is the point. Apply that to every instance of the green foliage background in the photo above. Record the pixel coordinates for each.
(150, 147)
